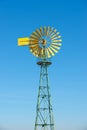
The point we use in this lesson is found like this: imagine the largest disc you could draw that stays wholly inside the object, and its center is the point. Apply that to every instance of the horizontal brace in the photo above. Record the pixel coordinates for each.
(44, 124)
(44, 86)
(43, 108)
(43, 96)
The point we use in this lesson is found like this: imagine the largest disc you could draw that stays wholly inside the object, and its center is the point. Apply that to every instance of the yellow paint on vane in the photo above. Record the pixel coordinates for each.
(23, 41)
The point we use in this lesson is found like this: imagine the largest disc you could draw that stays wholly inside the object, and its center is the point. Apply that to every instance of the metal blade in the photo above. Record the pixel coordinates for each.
(33, 45)
(33, 42)
(35, 51)
(56, 44)
(59, 36)
(55, 36)
(43, 51)
(58, 33)
(52, 28)
(35, 54)
(56, 41)
(55, 30)
(31, 39)
(34, 48)
(48, 53)
(36, 34)
(56, 47)
(52, 31)
(41, 30)
(44, 31)
(34, 37)
(48, 30)
(32, 51)
(52, 34)
(39, 33)
(51, 52)
(54, 50)
(59, 44)
(38, 52)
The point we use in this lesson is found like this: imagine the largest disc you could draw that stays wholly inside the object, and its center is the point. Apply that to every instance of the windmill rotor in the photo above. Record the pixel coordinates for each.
(45, 42)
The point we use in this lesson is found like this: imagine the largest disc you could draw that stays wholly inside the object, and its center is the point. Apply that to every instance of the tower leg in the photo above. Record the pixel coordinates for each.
(44, 111)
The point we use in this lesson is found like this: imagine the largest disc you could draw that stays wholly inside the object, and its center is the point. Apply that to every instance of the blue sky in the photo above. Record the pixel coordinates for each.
(19, 74)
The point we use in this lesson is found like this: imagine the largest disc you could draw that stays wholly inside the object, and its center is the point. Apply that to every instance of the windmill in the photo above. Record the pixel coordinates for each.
(43, 43)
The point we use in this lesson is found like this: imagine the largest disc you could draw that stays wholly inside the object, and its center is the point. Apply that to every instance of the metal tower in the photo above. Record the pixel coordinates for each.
(43, 43)
(44, 111)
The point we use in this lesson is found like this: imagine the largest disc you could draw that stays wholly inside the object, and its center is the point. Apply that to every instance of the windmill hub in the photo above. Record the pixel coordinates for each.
(44, 42)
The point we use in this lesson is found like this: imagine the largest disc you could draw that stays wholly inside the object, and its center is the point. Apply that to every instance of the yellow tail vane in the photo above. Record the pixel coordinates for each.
(23, 41)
